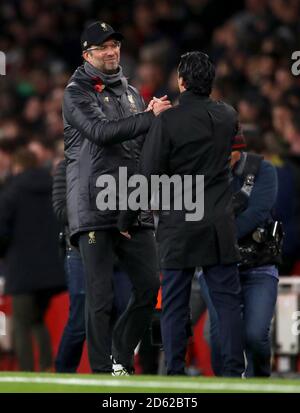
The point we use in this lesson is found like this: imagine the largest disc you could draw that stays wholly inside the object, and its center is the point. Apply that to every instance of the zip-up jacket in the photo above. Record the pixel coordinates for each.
(102, 132)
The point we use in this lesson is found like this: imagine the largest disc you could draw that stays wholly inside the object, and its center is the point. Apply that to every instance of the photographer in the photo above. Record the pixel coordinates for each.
(255, 190)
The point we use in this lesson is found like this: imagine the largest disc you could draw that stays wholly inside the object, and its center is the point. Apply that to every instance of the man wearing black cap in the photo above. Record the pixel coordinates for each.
(105, 42)
(104, 120)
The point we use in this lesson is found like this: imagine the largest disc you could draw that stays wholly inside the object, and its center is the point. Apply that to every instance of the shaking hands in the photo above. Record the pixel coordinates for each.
(158, 105)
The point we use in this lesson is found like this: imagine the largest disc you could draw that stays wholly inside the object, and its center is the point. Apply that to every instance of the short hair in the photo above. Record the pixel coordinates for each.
(197, 71)
(45, 142)
(24, 158)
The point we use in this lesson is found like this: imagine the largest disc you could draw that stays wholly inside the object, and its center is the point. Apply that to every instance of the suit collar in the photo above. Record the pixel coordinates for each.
(189, 96)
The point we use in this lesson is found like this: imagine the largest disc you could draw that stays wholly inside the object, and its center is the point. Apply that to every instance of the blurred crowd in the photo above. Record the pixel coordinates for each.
(251, 42)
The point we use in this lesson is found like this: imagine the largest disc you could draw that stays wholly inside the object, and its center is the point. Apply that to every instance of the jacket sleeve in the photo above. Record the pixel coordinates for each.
(154, 160)
(140, 141)
(261, 200)
(8, 205)
(85, 115)
(59, 193)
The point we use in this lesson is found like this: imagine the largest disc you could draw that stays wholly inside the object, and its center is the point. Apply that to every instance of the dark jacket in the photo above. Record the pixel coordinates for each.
(288, 206)
(194, 138)
(102, 133)
(59, 193)
(28, 224)
(59, 203)
(261, 201)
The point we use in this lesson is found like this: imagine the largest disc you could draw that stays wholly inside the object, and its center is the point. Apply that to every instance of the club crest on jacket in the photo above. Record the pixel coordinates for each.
(92, 237)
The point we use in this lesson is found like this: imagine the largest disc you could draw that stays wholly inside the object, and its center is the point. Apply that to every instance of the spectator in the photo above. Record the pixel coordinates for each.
(33, 270)
(44, 150)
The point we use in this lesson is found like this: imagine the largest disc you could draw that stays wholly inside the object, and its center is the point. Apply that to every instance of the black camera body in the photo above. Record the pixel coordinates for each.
(263, 246)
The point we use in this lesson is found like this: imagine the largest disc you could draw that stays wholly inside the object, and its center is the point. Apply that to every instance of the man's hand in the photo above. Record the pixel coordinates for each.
(151, 103)
(126, 234)
(160, 105)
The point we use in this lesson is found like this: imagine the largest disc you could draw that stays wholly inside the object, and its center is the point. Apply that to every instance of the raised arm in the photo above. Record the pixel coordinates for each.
(84, 114)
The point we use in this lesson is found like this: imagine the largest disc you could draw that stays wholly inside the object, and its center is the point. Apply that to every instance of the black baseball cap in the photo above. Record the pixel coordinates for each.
(97, 33)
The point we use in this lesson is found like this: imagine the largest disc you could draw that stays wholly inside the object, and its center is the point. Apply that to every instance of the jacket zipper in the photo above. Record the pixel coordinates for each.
(122, 114)
(130, 142)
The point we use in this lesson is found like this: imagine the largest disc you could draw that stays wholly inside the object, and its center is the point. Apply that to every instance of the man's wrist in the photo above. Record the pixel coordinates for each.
(150, 113)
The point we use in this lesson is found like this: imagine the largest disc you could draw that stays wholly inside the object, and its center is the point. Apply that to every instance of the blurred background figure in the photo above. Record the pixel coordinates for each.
(33, 270)
(44, 151)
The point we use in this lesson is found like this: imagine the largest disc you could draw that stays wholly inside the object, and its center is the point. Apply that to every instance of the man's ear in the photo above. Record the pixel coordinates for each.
(85, 56)
(181, 84)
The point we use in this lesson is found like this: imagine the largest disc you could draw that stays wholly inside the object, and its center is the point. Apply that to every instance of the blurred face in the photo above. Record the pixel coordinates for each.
(16, 169)
(289, 133)
(5, 163)
(280, 117)
(105, 57)
(248, 112)
(255, 5)
(43, 155)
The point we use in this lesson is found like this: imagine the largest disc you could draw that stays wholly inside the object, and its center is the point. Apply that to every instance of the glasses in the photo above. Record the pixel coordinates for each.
(105, 47)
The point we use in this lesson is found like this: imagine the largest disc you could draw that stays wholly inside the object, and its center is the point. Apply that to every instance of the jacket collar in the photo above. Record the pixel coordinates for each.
(189, 96)
(117, 84)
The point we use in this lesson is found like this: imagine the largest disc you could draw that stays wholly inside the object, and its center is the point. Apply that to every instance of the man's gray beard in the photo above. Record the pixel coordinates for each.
(108, 71)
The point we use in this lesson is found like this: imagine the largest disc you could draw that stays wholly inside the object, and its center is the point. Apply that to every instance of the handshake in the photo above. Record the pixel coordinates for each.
(158, 105)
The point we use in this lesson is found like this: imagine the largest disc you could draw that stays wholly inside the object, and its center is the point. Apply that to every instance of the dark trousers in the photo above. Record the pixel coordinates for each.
(224, 287)
(73, 338)
(259, 291)
(213, 323)
(259, 294)
(72, 341)
(28, 312)
(137, 257)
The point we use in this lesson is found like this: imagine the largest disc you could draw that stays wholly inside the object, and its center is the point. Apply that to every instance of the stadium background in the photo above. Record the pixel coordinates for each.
(251, 42)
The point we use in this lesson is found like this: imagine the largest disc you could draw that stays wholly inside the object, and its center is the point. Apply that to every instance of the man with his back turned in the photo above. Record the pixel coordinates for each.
(195, 139)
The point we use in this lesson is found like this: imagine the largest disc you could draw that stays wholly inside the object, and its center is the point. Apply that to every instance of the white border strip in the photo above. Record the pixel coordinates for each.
(148, 384)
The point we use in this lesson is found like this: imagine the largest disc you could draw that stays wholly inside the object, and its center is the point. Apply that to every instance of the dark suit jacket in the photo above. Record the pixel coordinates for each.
(193, 138)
